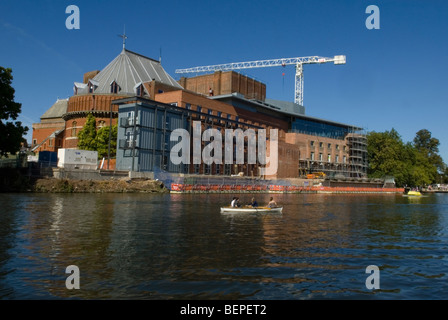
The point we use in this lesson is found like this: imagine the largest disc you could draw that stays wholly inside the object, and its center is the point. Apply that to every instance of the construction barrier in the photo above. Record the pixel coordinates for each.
(178, 187)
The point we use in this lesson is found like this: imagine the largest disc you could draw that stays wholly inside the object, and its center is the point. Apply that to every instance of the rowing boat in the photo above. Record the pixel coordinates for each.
(251, 210)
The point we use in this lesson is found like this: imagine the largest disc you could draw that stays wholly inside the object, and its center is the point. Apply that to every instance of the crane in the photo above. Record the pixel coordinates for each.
(298, 62)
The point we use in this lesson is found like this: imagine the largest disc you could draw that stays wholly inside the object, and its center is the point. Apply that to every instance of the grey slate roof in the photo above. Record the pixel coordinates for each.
(128, 70)
(56, 110)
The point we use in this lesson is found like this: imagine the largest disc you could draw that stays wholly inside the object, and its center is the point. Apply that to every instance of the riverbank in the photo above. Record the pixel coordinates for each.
(16, 181)
(123, 185)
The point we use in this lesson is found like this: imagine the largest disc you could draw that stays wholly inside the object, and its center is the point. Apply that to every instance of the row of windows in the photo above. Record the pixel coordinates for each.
(319, 129)
(100, 124)
(115, 88)
(321, 158)
(211, 112)
(329, 145)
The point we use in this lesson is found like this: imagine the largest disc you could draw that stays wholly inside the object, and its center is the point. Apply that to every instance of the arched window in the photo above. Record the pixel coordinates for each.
(74, 128)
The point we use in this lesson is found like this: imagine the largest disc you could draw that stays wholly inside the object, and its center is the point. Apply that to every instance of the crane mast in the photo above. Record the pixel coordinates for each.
(298, 62)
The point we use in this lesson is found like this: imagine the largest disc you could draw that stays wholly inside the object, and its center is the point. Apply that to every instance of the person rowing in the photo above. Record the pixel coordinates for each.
(272, 203)
(253, 203)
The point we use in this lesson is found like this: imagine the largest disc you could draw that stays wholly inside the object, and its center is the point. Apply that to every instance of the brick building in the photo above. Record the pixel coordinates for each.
(218, 100)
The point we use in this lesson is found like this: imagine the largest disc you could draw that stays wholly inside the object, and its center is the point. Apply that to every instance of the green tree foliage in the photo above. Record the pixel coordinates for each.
(87, 135)
(11, 131)
(89, 138)
(429, 147)
(386, 152)
(412, 164)
(102, 138)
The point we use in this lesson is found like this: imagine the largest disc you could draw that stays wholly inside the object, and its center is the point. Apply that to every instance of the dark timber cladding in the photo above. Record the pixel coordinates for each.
(144, 129)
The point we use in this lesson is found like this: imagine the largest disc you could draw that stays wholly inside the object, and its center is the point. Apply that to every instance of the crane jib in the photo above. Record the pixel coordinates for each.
(298, 62)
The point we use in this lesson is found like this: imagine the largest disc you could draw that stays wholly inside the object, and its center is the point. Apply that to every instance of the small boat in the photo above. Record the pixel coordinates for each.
(412, 193)
(251, 210)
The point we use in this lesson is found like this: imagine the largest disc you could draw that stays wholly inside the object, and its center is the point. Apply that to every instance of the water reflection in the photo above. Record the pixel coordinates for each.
(140, 246)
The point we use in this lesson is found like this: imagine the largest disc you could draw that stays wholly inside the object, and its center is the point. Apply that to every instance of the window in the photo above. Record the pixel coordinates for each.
(329, 157)
(337, 147)
(129, 139)
(167, 122)
(321, 156)
(312, 156)
(344, 159)
(34, 141)
(210, 112)
(74, 128)
(160, 91)
(337, 158)
(50, 142)
(131, 118)
(101, 123)
(219, 114)
(321, 144)
(188, 106)
(165, 162)
(114, 87)
(329, 146)
(139, 90)
(199, 108)
(312, 143)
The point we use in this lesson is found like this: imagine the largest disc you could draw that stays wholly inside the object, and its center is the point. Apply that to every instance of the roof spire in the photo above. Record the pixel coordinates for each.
(124, 37)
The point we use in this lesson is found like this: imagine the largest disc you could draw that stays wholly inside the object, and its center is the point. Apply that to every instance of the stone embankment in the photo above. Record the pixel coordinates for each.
(123, 185)
(16, 181)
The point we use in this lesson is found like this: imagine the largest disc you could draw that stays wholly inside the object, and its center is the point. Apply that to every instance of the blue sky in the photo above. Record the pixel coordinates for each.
(395, 77)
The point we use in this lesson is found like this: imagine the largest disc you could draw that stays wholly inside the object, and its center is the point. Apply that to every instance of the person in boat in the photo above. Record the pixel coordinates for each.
(235, 202)
(253, 203)
(272, 203)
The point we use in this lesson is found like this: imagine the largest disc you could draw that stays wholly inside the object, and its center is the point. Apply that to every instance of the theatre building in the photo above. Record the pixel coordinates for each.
(135, 92)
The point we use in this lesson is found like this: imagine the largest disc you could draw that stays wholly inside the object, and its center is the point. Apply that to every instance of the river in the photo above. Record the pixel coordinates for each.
(179, 246)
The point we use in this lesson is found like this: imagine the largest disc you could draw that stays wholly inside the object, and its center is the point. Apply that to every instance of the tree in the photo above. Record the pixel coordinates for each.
(11, 132)
(429, 147)
(387, 154)
(412, 164)
(87, 135)
(102, 141)
(89, 138)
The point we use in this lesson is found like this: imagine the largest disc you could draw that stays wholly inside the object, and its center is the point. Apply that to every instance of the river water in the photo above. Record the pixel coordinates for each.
(179, 246)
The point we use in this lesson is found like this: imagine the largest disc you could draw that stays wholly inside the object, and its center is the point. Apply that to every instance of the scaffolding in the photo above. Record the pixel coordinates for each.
(354, 162)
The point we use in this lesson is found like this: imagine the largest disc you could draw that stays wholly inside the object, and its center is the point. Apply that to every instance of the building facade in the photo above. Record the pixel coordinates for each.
(148, 104)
